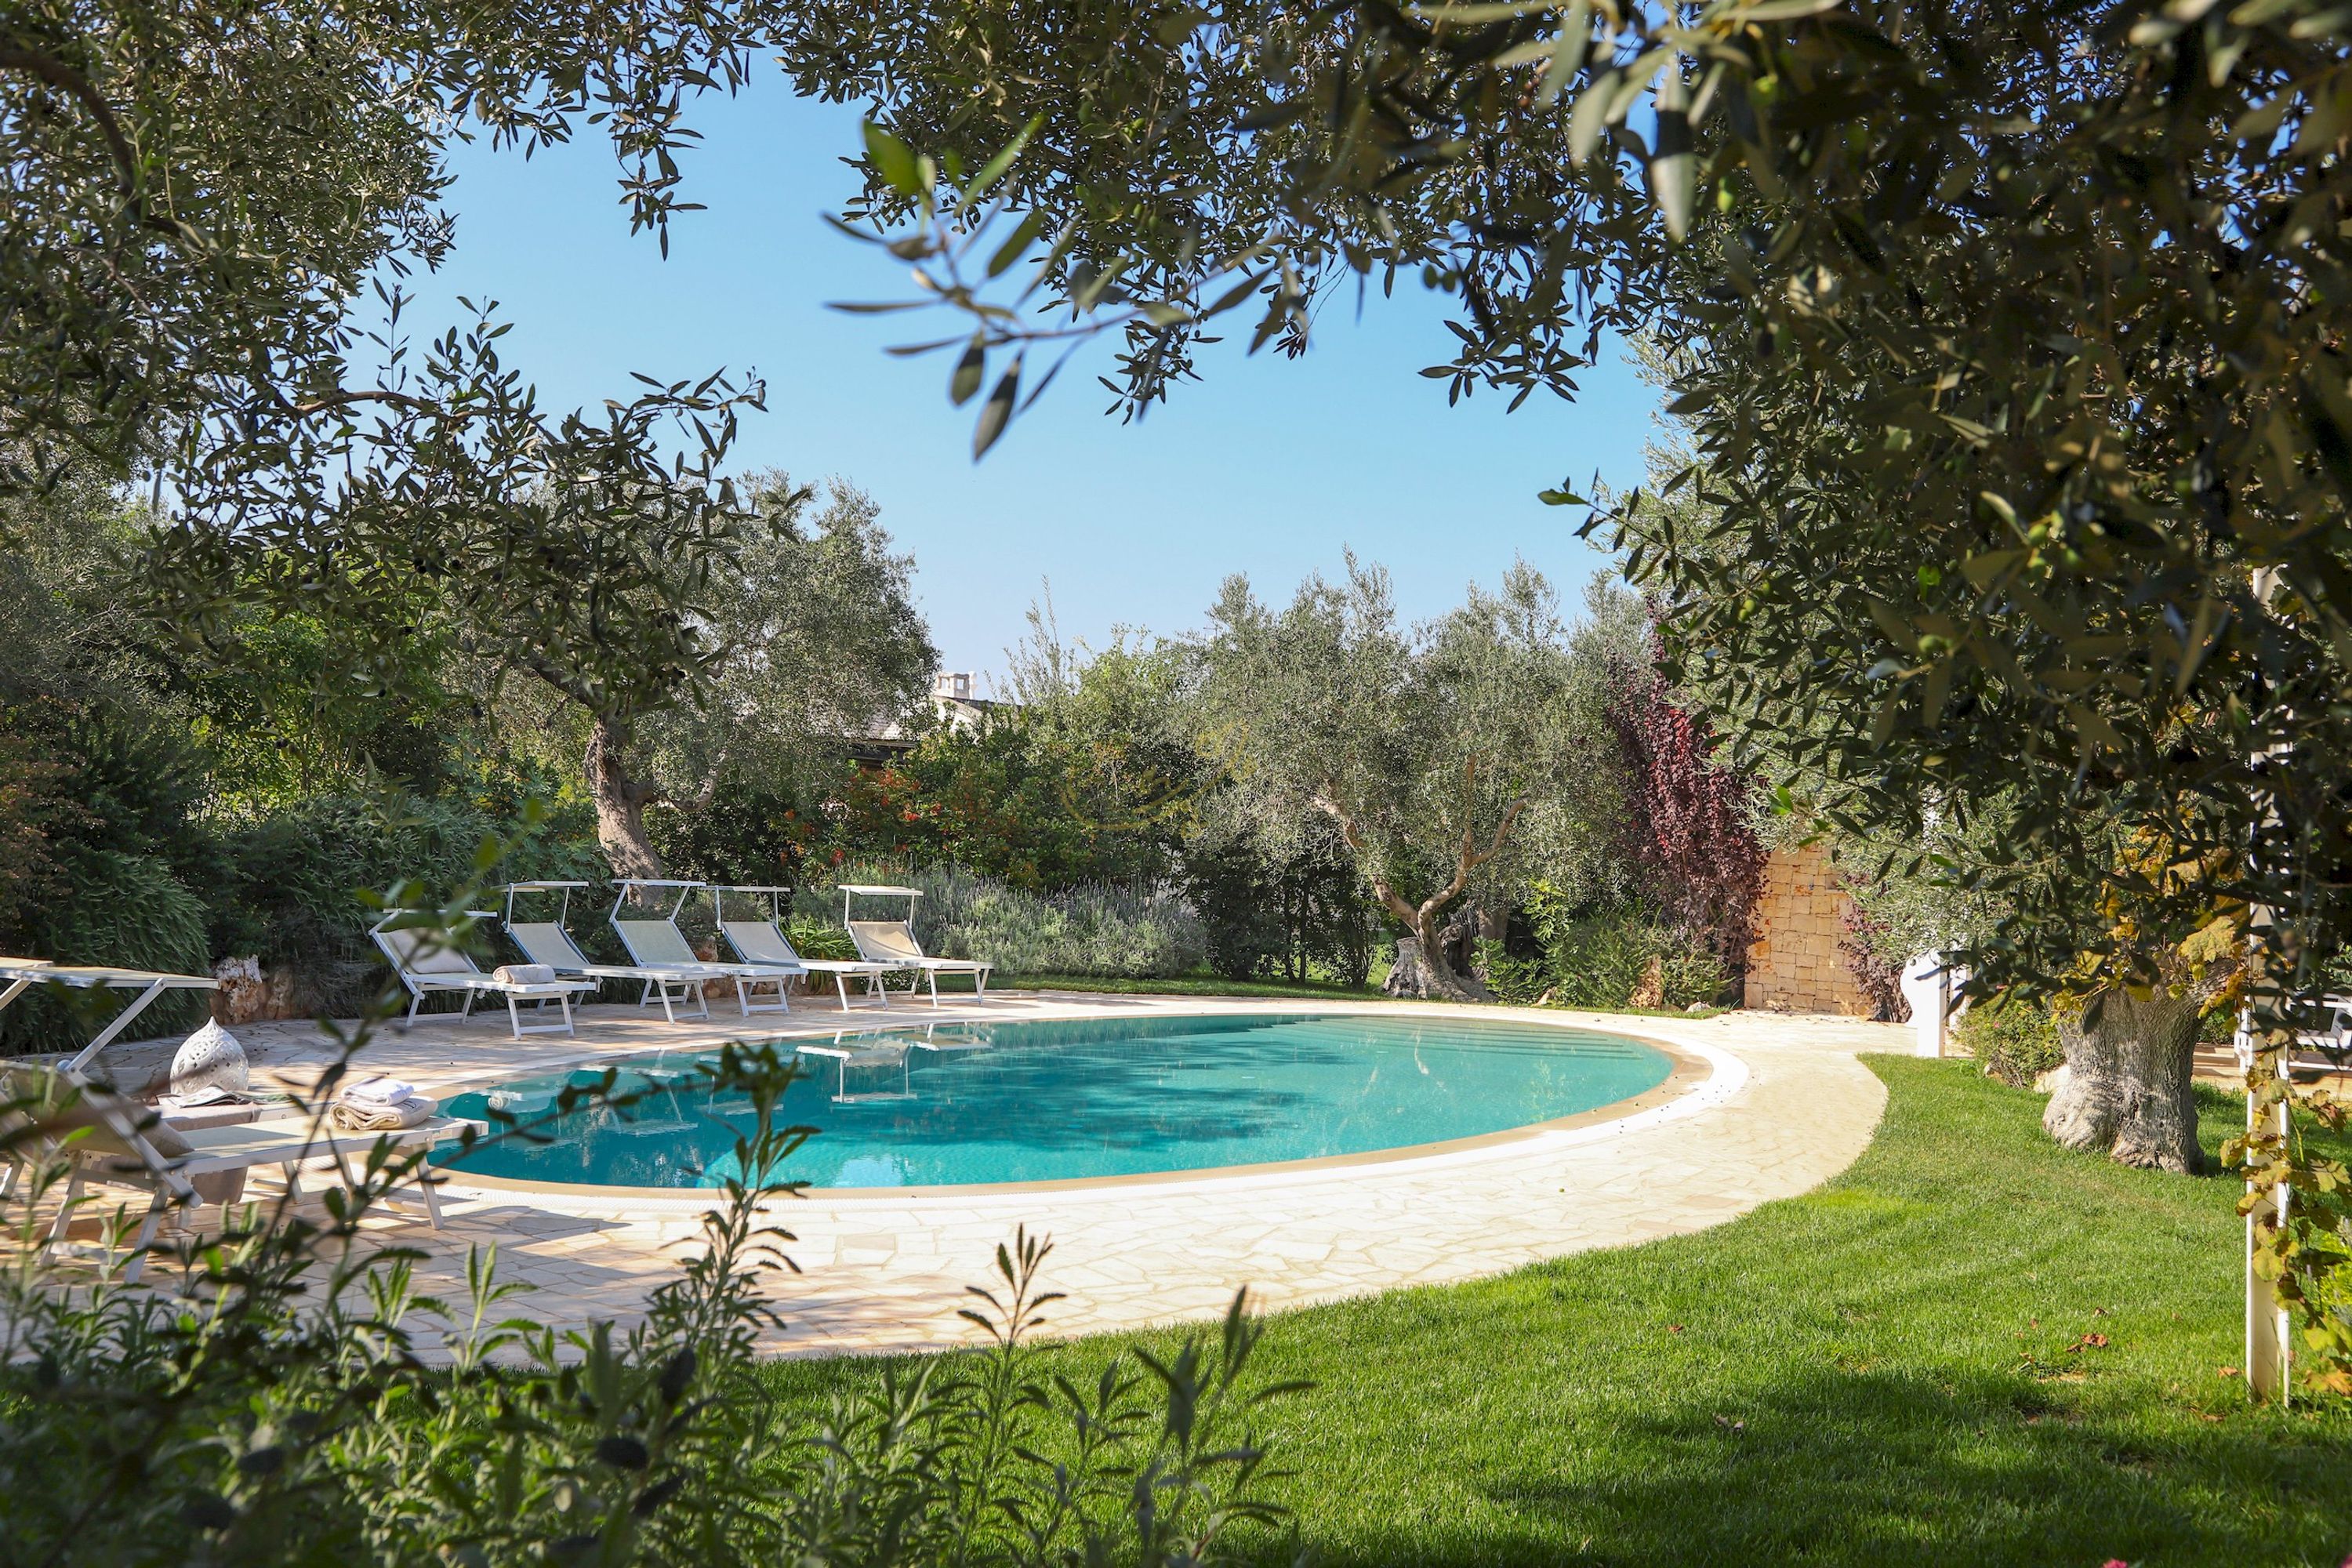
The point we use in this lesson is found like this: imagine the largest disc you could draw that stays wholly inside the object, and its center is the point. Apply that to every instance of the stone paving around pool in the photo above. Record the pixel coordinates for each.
(1787, 1107)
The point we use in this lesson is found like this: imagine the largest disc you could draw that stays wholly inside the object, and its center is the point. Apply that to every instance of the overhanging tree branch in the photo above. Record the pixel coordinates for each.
(1327, 800)
(321, 404)
(71, 82)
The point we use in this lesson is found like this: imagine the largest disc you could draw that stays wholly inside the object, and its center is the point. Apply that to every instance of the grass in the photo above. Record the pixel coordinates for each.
(1893, 1369)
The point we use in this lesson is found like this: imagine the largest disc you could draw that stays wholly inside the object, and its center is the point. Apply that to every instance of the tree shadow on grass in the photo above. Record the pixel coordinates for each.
(1870, 1468)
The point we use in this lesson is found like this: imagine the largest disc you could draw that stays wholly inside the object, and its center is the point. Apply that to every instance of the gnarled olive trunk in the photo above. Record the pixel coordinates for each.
(1426, 966)
(1414, 974)
(621, 803)
(2126, 1088)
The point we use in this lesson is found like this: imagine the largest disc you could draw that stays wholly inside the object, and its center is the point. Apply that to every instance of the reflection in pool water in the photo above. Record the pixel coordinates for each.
(1033, 1102)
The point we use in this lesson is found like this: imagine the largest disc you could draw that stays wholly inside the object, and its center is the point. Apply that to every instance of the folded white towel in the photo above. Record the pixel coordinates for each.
(378, 1091)
(411, 1110)
(524, 973)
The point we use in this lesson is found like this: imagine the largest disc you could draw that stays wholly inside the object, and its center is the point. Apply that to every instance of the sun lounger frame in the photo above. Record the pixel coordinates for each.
(19, 973)
(893, 941)
(669, 984)
(644, 940)
(471, 980)
(877, 992)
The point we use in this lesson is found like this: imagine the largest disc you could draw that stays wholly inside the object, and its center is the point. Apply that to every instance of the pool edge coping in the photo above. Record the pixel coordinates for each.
(1697, 1077)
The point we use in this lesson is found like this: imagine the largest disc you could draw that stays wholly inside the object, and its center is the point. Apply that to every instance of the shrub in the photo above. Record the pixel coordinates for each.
(1602, 958)
(1863, 946)
(1270, 912)
(127, 910)
(815, 937)
(1090, 930)
(751, 832)
(291, 893)
(2017, 1040)
(1100, 931)
(1688, 826)
(37, 811)
(1515, 981)
(1244, 935)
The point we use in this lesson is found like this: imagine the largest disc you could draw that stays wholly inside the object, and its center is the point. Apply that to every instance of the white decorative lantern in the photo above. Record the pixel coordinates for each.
(211, 1059)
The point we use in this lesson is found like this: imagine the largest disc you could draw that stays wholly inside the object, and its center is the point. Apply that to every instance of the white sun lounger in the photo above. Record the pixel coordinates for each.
(17, 975)
(893, 943)
(548, 943)
(764, 943)
(425, 964)
(120, 1143)
(658, 941)
(2326, 1050)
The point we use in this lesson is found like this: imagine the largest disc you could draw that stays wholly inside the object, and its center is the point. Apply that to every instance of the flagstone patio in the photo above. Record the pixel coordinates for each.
(1764, 1106)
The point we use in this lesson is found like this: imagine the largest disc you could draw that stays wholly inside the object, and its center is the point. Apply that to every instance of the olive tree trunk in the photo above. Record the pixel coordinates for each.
(1420, 970)
(2124, 1090)
(1424, 963)
(621, 803)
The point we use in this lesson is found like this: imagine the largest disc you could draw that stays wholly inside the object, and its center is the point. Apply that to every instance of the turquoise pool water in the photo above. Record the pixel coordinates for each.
(1037, 1102)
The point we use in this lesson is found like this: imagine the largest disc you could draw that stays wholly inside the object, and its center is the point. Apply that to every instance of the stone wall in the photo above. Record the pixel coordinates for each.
(1795, 965)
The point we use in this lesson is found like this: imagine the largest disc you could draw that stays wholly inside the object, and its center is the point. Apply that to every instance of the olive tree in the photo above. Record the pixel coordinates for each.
(803, 629)
(207, 218)
(2010, 338)
(1427, 747)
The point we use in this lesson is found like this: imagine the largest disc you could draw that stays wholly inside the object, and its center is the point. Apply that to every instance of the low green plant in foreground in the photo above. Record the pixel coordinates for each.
(1973, 1348)
(280, 1403)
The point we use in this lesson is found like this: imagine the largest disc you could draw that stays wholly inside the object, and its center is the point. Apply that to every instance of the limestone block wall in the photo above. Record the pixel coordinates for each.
(1795, 965)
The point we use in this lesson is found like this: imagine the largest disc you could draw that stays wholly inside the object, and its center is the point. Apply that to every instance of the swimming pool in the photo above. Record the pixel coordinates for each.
(1036, 1100)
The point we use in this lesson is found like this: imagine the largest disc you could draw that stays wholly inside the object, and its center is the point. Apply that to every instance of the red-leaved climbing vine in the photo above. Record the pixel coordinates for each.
(1688, 817)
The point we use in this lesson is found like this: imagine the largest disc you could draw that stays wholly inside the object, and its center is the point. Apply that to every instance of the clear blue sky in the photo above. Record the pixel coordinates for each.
(1271, 467)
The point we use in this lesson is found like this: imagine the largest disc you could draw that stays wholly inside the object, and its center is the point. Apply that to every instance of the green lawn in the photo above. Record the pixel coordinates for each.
(1891, 1370)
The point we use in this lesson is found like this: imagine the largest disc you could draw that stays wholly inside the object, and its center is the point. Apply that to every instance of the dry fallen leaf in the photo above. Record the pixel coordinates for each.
(2229, 1372)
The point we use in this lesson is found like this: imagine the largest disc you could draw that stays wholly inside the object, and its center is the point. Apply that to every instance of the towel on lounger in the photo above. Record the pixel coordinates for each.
(367, 1116)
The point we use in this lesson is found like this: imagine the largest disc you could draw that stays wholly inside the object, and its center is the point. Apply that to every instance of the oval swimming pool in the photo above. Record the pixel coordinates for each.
(1036, 1101)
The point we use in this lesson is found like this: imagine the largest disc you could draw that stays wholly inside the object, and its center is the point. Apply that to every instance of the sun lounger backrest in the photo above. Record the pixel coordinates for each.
(655, 941)
(546, 942)
(759, 942)
(885, 942)
(413, 951)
